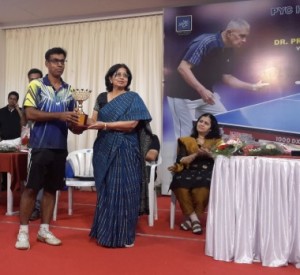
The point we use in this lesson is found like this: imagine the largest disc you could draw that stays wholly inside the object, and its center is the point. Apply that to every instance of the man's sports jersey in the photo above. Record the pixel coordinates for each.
(42, 96)
(210, 59)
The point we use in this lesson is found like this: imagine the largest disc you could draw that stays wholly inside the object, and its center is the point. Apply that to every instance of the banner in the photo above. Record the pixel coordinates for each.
(254, 75)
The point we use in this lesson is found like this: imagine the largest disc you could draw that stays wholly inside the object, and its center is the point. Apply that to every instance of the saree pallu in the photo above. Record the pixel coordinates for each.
(117, 162)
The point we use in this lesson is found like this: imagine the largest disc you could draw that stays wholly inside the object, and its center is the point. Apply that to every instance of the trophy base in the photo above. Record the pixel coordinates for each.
(82, 119)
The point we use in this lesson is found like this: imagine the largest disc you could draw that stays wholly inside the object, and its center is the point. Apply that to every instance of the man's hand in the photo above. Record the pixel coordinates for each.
(76, 129)
(234, 82)
(259, 85)
(185, 70)
(207, 96)
(17, 107)
(70, 117)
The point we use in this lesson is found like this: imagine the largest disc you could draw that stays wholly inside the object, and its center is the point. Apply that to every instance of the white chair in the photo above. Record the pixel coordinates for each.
(152, 192)
(81, 163)
(172, 210)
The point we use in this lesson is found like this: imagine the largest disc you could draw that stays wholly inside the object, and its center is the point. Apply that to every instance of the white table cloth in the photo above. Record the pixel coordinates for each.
(254, 211)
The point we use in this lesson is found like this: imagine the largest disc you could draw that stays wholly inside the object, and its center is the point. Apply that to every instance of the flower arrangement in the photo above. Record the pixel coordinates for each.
(10, 145)
(235, 147)
(229, 148)
(268, 149)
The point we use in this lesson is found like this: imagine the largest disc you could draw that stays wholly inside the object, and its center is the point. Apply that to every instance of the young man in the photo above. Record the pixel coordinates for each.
(11, 120)
(34, 74)
(49, 105)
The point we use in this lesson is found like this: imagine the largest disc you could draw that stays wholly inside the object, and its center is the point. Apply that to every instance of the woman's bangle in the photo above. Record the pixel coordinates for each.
(105, 126)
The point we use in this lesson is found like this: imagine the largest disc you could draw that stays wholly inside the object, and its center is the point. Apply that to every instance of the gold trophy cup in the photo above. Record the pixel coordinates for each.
(81, 95)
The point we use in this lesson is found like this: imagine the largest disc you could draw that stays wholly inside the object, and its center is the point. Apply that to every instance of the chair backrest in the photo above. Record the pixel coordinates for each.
(153, 166)
(81, 163)
(155, 163)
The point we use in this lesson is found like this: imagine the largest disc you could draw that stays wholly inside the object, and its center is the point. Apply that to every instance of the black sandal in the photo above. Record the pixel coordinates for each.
(186, 225)
(196, 227)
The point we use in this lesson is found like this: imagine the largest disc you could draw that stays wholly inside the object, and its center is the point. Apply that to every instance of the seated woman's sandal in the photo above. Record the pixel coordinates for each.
(196, 227)
(186, 225)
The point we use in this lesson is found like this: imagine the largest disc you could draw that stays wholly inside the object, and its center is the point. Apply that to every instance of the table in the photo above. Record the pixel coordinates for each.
(15, 164)
(280, 121)
(254, 211)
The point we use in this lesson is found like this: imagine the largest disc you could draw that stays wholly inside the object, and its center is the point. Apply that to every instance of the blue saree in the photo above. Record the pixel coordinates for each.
(117, 162)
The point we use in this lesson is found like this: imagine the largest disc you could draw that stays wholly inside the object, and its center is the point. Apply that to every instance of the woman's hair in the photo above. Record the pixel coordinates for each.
(214, 129)
(110, 73)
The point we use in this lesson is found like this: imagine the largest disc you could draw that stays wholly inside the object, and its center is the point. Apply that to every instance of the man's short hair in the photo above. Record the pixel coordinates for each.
(55, 50)
(34, 71)
(237, 24)
(16, 94)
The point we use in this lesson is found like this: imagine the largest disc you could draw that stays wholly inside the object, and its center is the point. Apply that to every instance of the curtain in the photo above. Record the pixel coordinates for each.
(92, 48)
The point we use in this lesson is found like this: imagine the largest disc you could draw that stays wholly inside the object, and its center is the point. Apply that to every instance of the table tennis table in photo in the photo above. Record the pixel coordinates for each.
(275, 120)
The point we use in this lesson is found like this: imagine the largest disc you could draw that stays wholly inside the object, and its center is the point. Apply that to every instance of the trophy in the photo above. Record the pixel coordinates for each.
(81, 95)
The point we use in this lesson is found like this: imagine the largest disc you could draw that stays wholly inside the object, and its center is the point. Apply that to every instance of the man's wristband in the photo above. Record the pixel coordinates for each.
(105, 126)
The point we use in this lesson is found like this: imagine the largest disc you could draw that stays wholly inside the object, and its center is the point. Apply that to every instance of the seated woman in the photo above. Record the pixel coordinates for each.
(193, 170)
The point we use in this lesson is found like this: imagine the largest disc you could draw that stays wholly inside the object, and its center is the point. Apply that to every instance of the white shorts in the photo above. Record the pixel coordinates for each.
(185, 111)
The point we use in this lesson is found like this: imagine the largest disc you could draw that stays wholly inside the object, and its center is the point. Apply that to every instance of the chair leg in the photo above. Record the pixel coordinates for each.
(152, 198)
(56, 205)
(70, 200)
(172, 210)
(10, 197)
(155, 206)
(151, 205)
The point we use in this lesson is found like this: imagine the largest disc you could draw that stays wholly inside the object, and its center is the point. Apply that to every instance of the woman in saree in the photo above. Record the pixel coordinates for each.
(118, 115)
(193, 170)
